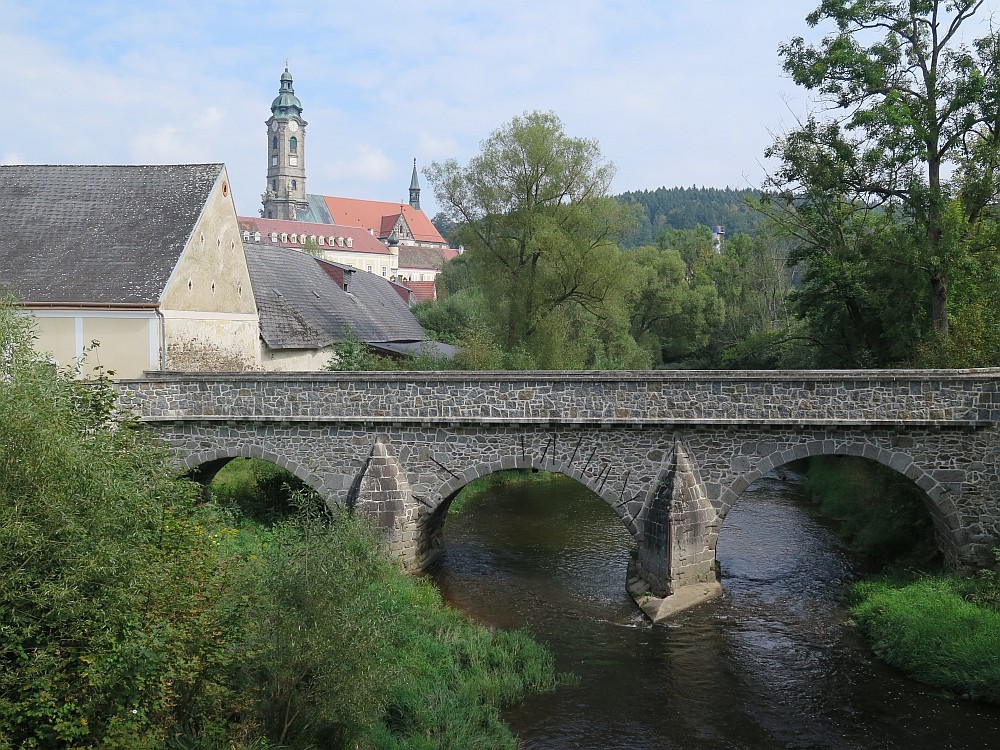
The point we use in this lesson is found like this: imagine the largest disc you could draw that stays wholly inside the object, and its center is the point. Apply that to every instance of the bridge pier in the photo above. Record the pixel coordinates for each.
(382, 493)
(670, 452)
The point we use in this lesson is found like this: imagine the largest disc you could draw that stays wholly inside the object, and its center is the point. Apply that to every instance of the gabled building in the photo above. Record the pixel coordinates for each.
(147, 260)
(306, 304)
(403, 224)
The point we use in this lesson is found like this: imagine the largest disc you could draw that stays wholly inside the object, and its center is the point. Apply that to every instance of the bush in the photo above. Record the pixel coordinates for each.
(132, 617)
(881, 514)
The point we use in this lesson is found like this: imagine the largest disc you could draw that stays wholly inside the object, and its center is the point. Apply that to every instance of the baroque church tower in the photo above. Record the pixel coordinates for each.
(285, 195)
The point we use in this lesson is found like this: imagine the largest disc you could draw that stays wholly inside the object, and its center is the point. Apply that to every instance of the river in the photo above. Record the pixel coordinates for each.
(773, 664)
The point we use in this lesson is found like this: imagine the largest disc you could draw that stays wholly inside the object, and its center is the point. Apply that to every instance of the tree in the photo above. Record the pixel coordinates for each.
(533, 213)
(916, 124)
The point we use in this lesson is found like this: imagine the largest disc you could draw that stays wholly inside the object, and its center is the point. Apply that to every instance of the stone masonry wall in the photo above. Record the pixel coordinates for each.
(669, 452)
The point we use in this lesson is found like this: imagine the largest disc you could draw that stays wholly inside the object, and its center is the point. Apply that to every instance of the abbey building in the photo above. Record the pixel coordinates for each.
(401, 243)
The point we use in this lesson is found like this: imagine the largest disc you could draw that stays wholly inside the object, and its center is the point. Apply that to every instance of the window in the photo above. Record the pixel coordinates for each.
(295, 238)
(368, 268)
(246, 236)
(384, 273)
(274, 187)
(274, 235)
(322, 239)
(270, 214)
(312, 238)
(284, 237)
(256, 236)
(274, 143)
(294, 184)
(350, 242)
(293, 145)
(340, 241)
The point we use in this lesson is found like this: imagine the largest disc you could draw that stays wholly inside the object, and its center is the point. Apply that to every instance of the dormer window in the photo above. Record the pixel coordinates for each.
(350, 242)
(256, 236)
(322, 239)
(274, 236)
(340, 241)
(246, 236)
(295, 238)
(284, 237)
(293, 145)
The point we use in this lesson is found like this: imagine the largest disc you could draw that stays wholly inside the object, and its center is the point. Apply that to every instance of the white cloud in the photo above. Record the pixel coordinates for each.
(10, 158)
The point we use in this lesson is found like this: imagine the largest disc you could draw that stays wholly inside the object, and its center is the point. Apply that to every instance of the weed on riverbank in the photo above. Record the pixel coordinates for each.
(941, 630)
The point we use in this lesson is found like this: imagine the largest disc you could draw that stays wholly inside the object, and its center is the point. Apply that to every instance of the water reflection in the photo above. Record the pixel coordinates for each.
(770, 665)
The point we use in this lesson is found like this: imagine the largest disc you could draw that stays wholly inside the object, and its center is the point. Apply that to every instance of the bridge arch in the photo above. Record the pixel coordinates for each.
(431, 530)
(938, 501)
(216, 458)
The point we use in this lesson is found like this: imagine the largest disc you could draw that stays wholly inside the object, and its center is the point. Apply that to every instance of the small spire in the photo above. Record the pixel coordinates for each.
(415, 187)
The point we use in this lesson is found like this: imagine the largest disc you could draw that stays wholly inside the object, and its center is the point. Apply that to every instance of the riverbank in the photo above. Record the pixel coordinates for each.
(138, 615)
(935, 627)
(941, 630)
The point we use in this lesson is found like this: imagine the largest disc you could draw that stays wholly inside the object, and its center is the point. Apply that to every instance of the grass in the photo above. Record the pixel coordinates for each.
(507, 477)
(941, 630)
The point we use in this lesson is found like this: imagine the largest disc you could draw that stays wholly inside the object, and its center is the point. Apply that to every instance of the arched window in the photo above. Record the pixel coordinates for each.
(294, 184)
(274, 143)
(293, 145)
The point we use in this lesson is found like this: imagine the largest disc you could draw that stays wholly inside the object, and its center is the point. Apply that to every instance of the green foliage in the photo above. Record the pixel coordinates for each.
(886, 196)
(351, 354)
(539, 230)
(881, 514)
(504, 478)
(688, 208)
(109, 635)
(256, 490)
(133, 616)
(940, 630)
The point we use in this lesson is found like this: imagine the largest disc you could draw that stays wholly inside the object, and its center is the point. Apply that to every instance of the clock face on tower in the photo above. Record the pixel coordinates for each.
(293, 126)
(274, 125)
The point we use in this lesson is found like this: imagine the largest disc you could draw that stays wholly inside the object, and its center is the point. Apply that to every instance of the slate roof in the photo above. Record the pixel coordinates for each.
(302, 303)
(97, 234)
(421, 257)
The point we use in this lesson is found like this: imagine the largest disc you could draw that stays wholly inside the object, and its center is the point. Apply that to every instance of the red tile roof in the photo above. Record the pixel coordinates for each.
(423, 291)
(361, 240)
(355, 212)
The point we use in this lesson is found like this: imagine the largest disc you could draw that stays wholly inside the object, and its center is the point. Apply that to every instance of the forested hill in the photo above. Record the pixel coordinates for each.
(686, 208)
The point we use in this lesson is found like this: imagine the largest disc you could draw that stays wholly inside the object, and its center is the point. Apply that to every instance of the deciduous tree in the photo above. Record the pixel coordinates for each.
(538, 227)
(911, 122)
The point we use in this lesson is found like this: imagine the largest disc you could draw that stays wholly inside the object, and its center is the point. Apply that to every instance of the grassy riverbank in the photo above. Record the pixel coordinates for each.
(503, 478)
(136, 615)
(935, 627)
(939, 629)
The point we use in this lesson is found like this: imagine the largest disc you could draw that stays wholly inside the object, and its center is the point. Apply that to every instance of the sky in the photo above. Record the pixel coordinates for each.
(676, 92)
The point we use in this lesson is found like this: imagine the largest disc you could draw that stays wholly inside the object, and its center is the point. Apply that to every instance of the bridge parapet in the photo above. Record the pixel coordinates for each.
(855, 398)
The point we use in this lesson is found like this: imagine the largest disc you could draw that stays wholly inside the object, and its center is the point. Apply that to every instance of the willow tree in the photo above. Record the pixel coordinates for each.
(538, 227)
(910, 125)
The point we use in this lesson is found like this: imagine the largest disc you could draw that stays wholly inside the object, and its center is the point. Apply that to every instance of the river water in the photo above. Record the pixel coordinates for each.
(772, 664)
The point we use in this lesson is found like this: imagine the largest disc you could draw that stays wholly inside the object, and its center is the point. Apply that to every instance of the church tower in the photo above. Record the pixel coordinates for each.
(286, 155)
(415, 188)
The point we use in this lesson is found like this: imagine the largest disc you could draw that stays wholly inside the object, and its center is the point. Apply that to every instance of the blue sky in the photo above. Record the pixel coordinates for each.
(677, 92)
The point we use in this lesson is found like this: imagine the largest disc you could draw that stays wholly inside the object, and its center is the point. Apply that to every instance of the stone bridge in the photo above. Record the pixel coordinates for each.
(670, 452)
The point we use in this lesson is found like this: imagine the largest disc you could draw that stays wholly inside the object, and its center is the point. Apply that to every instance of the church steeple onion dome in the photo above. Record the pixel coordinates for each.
(286, 104)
